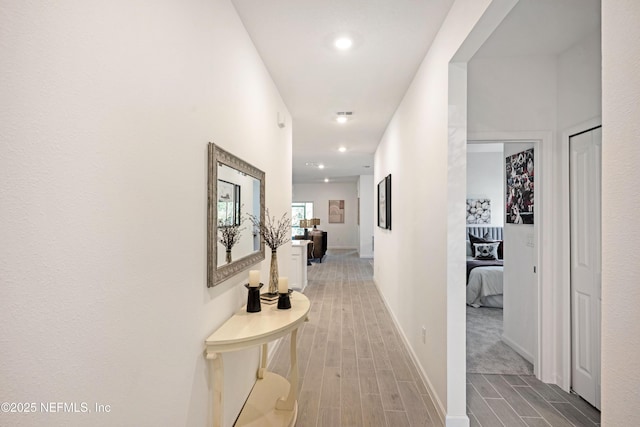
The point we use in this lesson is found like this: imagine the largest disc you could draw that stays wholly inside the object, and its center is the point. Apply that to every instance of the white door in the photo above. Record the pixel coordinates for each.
(586, 295)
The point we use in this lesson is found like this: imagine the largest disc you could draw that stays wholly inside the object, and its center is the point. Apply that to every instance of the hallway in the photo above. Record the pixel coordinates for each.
(355, 371)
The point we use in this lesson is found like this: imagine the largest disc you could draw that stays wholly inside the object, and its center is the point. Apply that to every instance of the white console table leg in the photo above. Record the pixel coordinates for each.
(269, 390)
(218, 385)
(263, 361)
(289, 402)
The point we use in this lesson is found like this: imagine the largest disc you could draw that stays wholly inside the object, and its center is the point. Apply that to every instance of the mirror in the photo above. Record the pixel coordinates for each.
(235, 190)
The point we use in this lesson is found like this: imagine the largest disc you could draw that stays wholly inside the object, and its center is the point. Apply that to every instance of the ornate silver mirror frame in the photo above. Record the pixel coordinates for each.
(216, 274)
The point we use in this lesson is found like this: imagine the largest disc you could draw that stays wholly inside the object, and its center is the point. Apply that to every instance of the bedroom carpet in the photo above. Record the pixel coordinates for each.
(486, 353)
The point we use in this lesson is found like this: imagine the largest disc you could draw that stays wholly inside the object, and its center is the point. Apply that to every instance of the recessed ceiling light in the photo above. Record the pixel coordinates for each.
(320, 166)
(343, 116)
(326, 180)
(343, 43)
(342, 149)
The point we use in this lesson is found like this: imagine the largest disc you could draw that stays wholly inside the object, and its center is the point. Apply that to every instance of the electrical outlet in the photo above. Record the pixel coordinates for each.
(424, 335)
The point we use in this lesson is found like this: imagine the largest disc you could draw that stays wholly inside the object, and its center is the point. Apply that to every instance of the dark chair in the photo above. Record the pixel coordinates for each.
(319, 239)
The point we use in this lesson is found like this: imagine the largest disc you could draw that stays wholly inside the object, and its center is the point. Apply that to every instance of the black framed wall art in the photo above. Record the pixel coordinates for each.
(384, 203)
(520, 188)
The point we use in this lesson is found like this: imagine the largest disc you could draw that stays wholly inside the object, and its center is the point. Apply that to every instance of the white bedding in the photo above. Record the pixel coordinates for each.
(484, 282)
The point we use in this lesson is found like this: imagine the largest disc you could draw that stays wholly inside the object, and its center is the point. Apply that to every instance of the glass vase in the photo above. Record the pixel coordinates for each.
(228, 258)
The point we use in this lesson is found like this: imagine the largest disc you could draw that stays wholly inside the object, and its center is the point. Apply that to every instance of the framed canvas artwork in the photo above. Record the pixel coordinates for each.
(336, 211)
(520, 189)
(479, 211)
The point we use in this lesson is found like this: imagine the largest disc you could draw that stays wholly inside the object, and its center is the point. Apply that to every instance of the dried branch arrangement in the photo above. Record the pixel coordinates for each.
(229, 234)
(274, 232)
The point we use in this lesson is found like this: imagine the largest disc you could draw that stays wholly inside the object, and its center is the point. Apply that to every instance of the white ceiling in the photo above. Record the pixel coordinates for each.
(542, 27)
(295, 40)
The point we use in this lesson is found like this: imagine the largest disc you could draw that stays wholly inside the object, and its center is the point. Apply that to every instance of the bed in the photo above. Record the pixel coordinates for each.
(484, 276)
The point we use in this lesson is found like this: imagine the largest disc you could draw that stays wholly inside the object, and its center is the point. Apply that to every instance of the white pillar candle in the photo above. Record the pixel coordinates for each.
(283, 285)
(254, 278)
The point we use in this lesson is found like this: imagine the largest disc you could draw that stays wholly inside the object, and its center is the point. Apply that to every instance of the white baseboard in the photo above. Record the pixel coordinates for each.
(521, 351)
(559, 381)
(298, 288)
(459, 421)
(423, 375)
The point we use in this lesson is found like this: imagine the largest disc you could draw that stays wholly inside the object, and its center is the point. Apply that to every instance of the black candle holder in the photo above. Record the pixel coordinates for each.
(253, 298)
(284, 302)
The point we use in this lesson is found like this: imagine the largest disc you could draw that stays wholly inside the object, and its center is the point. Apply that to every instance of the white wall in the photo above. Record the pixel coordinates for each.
(580, 82)
(412, 272)
(520, 286)
(620, 227)
(485, 173)
(338, 235)
(366, 193)
(524, 94)
(512, 94)
(579, 109)
(517, 94)
(106, 114)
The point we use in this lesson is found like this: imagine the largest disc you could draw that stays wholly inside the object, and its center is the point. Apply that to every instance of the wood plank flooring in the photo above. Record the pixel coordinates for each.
(512, 400)
(355, 370)
(353, 366)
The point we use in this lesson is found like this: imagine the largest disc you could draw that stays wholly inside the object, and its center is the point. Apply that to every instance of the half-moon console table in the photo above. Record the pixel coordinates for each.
(273, 401)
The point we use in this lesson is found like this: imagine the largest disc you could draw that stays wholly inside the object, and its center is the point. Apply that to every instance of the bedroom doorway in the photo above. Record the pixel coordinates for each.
(585, 166)
(502, 324)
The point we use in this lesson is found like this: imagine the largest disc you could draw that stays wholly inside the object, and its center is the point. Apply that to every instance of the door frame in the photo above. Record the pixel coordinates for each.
(546, 322)
(564, 268)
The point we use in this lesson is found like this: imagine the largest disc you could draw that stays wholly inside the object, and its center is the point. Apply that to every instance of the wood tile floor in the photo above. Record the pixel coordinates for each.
(355, 371)
(512, 400)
